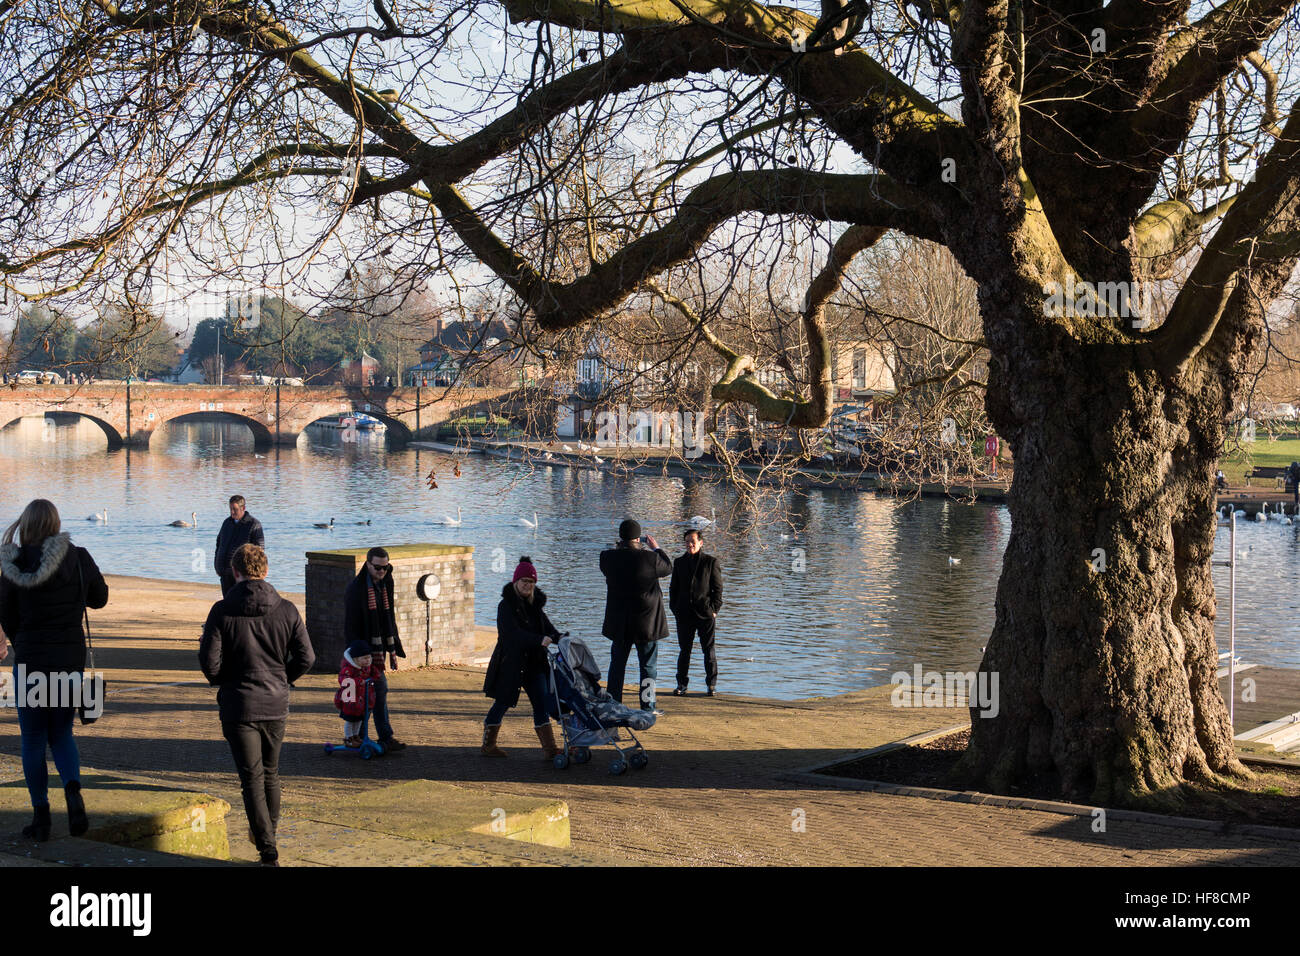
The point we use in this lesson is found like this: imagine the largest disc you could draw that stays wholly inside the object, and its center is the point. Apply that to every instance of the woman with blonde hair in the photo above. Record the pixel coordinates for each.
(46, 582)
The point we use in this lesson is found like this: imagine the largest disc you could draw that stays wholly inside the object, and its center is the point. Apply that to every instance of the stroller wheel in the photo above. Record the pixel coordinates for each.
(618, 768)
(561, 762)
(639, 760)
(581, 754)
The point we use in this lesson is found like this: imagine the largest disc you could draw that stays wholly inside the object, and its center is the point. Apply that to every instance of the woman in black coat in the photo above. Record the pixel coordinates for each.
(46, 582)
(519, 660)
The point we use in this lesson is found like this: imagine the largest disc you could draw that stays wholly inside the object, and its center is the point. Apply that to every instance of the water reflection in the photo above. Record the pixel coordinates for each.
(825, 591)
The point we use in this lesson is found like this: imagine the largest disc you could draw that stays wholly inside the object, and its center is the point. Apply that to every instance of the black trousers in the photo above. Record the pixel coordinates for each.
(227, 582)
(687, 628)
(255, 746)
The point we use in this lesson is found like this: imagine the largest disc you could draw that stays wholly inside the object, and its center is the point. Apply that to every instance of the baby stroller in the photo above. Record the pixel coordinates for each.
(369, 748)
(589, 717)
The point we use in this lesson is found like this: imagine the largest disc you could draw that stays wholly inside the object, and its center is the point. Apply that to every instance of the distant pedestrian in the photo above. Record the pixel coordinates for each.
(695, 597)
(1293, 484)
(239, 529)
(254, 645)
(46, 582)
(370, 615)
(634, 608)
(519, 660)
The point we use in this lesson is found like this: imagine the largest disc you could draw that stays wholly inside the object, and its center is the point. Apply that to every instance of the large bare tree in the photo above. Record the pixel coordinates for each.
(1057, 149)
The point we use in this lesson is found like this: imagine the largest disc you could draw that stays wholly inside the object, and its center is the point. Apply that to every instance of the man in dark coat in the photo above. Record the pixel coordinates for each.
(519, 660)
(634, 608)
(695, 597)
(239, 529)
(254, 646)
(369, 615)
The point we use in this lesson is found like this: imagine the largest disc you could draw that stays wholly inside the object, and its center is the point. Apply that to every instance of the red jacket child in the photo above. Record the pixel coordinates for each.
(349, 697)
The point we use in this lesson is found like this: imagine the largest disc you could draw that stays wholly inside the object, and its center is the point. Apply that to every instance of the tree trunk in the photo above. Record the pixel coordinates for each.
(1103, 639)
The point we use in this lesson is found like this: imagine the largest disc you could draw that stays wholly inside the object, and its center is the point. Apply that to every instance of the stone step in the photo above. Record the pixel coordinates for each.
(130, 814)
(1277, 735)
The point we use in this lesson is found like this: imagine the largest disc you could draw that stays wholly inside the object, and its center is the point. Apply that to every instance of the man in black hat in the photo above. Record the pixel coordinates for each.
(634, 607)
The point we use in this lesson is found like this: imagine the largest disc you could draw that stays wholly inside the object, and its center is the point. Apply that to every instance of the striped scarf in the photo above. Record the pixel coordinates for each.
(380, 624)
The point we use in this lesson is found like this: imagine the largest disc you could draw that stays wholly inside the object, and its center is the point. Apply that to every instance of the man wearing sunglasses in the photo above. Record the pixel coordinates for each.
(369, 615)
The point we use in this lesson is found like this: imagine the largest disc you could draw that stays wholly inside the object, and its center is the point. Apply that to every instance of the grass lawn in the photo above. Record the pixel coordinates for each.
(1269, 454)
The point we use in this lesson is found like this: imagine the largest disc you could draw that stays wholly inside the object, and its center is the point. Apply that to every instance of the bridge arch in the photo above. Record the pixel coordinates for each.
(115, 440)
(398, 430)
(262, 436)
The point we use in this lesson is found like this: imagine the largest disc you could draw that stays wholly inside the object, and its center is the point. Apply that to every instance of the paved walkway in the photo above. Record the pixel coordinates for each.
(711, 795)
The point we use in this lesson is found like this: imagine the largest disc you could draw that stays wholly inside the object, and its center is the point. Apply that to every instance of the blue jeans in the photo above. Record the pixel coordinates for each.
(537, 687)
(43, 727)
(647, 655)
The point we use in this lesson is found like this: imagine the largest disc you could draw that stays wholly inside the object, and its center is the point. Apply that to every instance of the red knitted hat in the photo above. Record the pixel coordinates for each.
(525, 569)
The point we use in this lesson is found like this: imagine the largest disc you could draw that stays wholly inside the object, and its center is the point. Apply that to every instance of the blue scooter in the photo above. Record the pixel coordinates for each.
(369, 748)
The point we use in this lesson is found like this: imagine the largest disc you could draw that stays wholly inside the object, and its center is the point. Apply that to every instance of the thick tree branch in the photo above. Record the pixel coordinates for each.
(864, 200)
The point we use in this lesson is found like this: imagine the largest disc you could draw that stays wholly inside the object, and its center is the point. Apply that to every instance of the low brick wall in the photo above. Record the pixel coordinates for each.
(451, 612)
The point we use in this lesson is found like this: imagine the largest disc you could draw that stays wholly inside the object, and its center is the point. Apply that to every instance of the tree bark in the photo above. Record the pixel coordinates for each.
(1106, 659)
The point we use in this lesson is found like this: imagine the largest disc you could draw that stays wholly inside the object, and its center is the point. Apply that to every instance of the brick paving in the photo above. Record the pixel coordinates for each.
(712, 794)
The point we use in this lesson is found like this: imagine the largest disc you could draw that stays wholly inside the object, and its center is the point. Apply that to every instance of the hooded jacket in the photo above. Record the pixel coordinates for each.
(354, 696)
(519, 653)
(254, 646)
(41, 593)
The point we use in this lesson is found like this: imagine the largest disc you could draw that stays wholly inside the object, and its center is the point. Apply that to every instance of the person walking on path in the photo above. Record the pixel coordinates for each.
(239, 529)
(695, 597)
(46, 582)
(369, 615)
(634, 608)
(524, 632)
(254, 646)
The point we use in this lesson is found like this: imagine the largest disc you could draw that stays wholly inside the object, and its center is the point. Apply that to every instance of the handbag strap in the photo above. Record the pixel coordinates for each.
(85, 613)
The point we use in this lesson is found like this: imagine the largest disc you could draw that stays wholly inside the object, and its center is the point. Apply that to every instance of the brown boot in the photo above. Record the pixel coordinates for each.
(547, 737)
(490, 748)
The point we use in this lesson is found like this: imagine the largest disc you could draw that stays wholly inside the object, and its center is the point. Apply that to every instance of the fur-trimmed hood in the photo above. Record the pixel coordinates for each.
(53, 551)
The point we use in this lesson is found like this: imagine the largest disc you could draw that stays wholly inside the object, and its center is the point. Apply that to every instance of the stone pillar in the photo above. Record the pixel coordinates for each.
(450, 612)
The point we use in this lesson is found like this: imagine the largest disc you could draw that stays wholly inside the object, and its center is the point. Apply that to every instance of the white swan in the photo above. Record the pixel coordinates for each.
(328, 527)
(192, 523)
(101, 516)
(699, 522)
(1262, 514)
(678, 484)
(449, 520)
(953, 562)
(597, 459)
(566, 448)
(530, 524)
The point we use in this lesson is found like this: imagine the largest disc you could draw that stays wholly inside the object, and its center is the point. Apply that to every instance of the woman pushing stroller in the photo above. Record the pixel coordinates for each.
(519, 660)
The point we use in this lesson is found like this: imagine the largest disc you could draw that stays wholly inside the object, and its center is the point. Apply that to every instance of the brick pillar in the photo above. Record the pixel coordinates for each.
(450, 614)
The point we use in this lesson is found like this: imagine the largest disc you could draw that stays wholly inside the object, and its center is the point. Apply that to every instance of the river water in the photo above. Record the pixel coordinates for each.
(825, 591)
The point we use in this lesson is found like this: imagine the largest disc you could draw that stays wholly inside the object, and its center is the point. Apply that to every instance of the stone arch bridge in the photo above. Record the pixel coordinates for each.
(129, 414)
